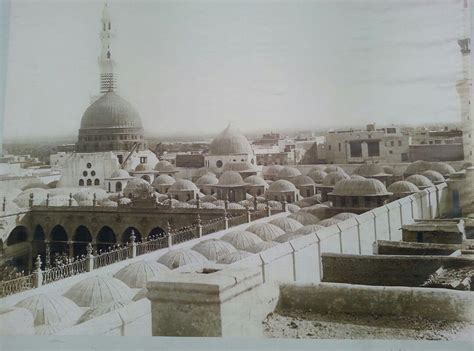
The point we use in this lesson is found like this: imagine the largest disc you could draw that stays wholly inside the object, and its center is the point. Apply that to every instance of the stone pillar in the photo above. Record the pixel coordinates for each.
(70, 245)
(170, 235)
(38, 281)
(365, 150)
(170, 201)
(47, 200)
(199, 226)
(198, 201)
(284, 206)
(226, 220)
(210, 301)
(94, 200)
(255, 203)
(89, 258)
(70, 199)
(133, 244)
(269, 210)
(249, 214)
(4, 204)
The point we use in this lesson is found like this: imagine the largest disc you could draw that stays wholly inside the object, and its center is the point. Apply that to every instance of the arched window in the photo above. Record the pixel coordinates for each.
(96, 181)
(110, 186)
(118, 186)
(110, 26)
(81, 182)
(219, 163)
(89, 182)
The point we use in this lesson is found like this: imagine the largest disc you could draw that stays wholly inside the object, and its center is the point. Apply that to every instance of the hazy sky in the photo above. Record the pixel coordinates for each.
(264, 65)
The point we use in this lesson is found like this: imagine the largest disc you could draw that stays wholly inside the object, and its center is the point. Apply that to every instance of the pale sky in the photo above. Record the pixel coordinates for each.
(193, 66)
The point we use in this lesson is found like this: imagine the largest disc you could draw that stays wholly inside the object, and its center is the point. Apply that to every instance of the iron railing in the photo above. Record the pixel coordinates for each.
(184, 235)
(111, 257)
(213, 226)
(16, 285)
(64, 271)
(152, 245)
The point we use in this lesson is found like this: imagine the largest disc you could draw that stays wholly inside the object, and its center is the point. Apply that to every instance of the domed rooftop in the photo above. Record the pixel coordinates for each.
(344, 216)
(309, 229)
(181, 257)
(230, 142)
(388, 169)
(420, 181)
(292, 208)
(333, 177)
(110, 111)
(318, 168)
(137, 274)
(317, 175)
(305, 218)
(256, 181)
(434, 176)
(443, 168)
(165, 166)
(100, 310)
(356, 187)
(241, 239)
(281, 186)
(138, 187)
(417, 167)
(207, 179)
(288, 172)
(235, 206)
(287, 224)
(330, 169)
(239, 167)
(163, 179)
(214, 249)
(230, 179)
(370, 170)
(356, 176)
(264, 245)
(183, 185)
(96, 290)
(287, 237)
(402, 187)
(120, 174)
(272, 170)
(234, 257)
(143, 167)
(59, 200)
(208, 205)
(202, 171)
(51, 309)
(12, 317)
(329, 222)
(266, 231)
(302, 180)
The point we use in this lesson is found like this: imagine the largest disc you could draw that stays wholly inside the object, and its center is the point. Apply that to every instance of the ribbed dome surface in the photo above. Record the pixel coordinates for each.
(417, 167)
(98, 311)
(443, 168)
(292, 208)
(51, 309)
(239, 167)
(287, 224)
(266, 231)
(329, 169)
(138, 187)
(272, 170)
(12, 317)
(207, 179)
(214, 249)
(370, 170)
(282, 185)
(287, 237)
(329, 222)
(110, 111)
(241, 239)
(305, 218)
(264, 245)
(120, 173)
(309, 229)
(94, 291)
(419, 180)
(183, 185)
(181, 257)
(344, 216)
(164, 166)
(235, 257)
(333, 177)
(230, 178)
(143, 167)
(163, 179)
(230, 142)
(288, 172)
(317, 175)
(434, 176)
(137, 274)
(402, 187)
(302, 180)
(256, 181)
(356, 187)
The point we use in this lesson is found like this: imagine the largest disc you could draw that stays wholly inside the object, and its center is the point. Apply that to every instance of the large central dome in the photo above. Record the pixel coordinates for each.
(230, 142)
(110, 111)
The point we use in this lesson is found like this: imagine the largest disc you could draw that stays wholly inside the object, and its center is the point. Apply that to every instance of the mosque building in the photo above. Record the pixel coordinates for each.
(111, 134)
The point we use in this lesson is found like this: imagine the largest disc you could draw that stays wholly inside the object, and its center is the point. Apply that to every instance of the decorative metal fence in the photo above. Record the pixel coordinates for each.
(238, 220)
(258, 214)
(16, 285)
(152, 245)
(112, 256)
(64, 271)
(184, 235)
(213, 226)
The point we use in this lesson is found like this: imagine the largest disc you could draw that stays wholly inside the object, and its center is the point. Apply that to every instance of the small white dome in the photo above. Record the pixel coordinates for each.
(305, 218)
(287, 237)
(137, 274)
(281, 186)
(329, 222)
(264, 245)
(288, 172)
(317, 175)
(230, 179)
(214, 249)
(266, 231)
(234, 257)
(309, 229)
(183, 185)
(287, 224)
(181, 257)
(344, 216)
(102, 309)
(120, 174)
(163, 179)
(241, 239)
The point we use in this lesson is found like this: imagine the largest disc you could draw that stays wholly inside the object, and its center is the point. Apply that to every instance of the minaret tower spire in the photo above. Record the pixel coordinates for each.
(464, 85)
(106, 62)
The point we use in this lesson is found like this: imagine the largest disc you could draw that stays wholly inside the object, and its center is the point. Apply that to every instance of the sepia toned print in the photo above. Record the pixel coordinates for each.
(311, 224)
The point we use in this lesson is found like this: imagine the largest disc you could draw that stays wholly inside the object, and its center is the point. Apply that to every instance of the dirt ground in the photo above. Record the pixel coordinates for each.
(315, 326)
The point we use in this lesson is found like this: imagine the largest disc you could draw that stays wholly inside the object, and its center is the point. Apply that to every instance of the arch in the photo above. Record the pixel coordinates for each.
(118, 187)
(38, 234)
(96, 181)
(157, 232)
(128, 233)
(105, 238)
(81, 182)
(89, 182)
(17, 235)
(58, 242)
(81, 238)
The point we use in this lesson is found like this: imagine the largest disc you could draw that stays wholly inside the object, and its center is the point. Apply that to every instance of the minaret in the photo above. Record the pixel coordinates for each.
(108, 80)
(464, 85)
